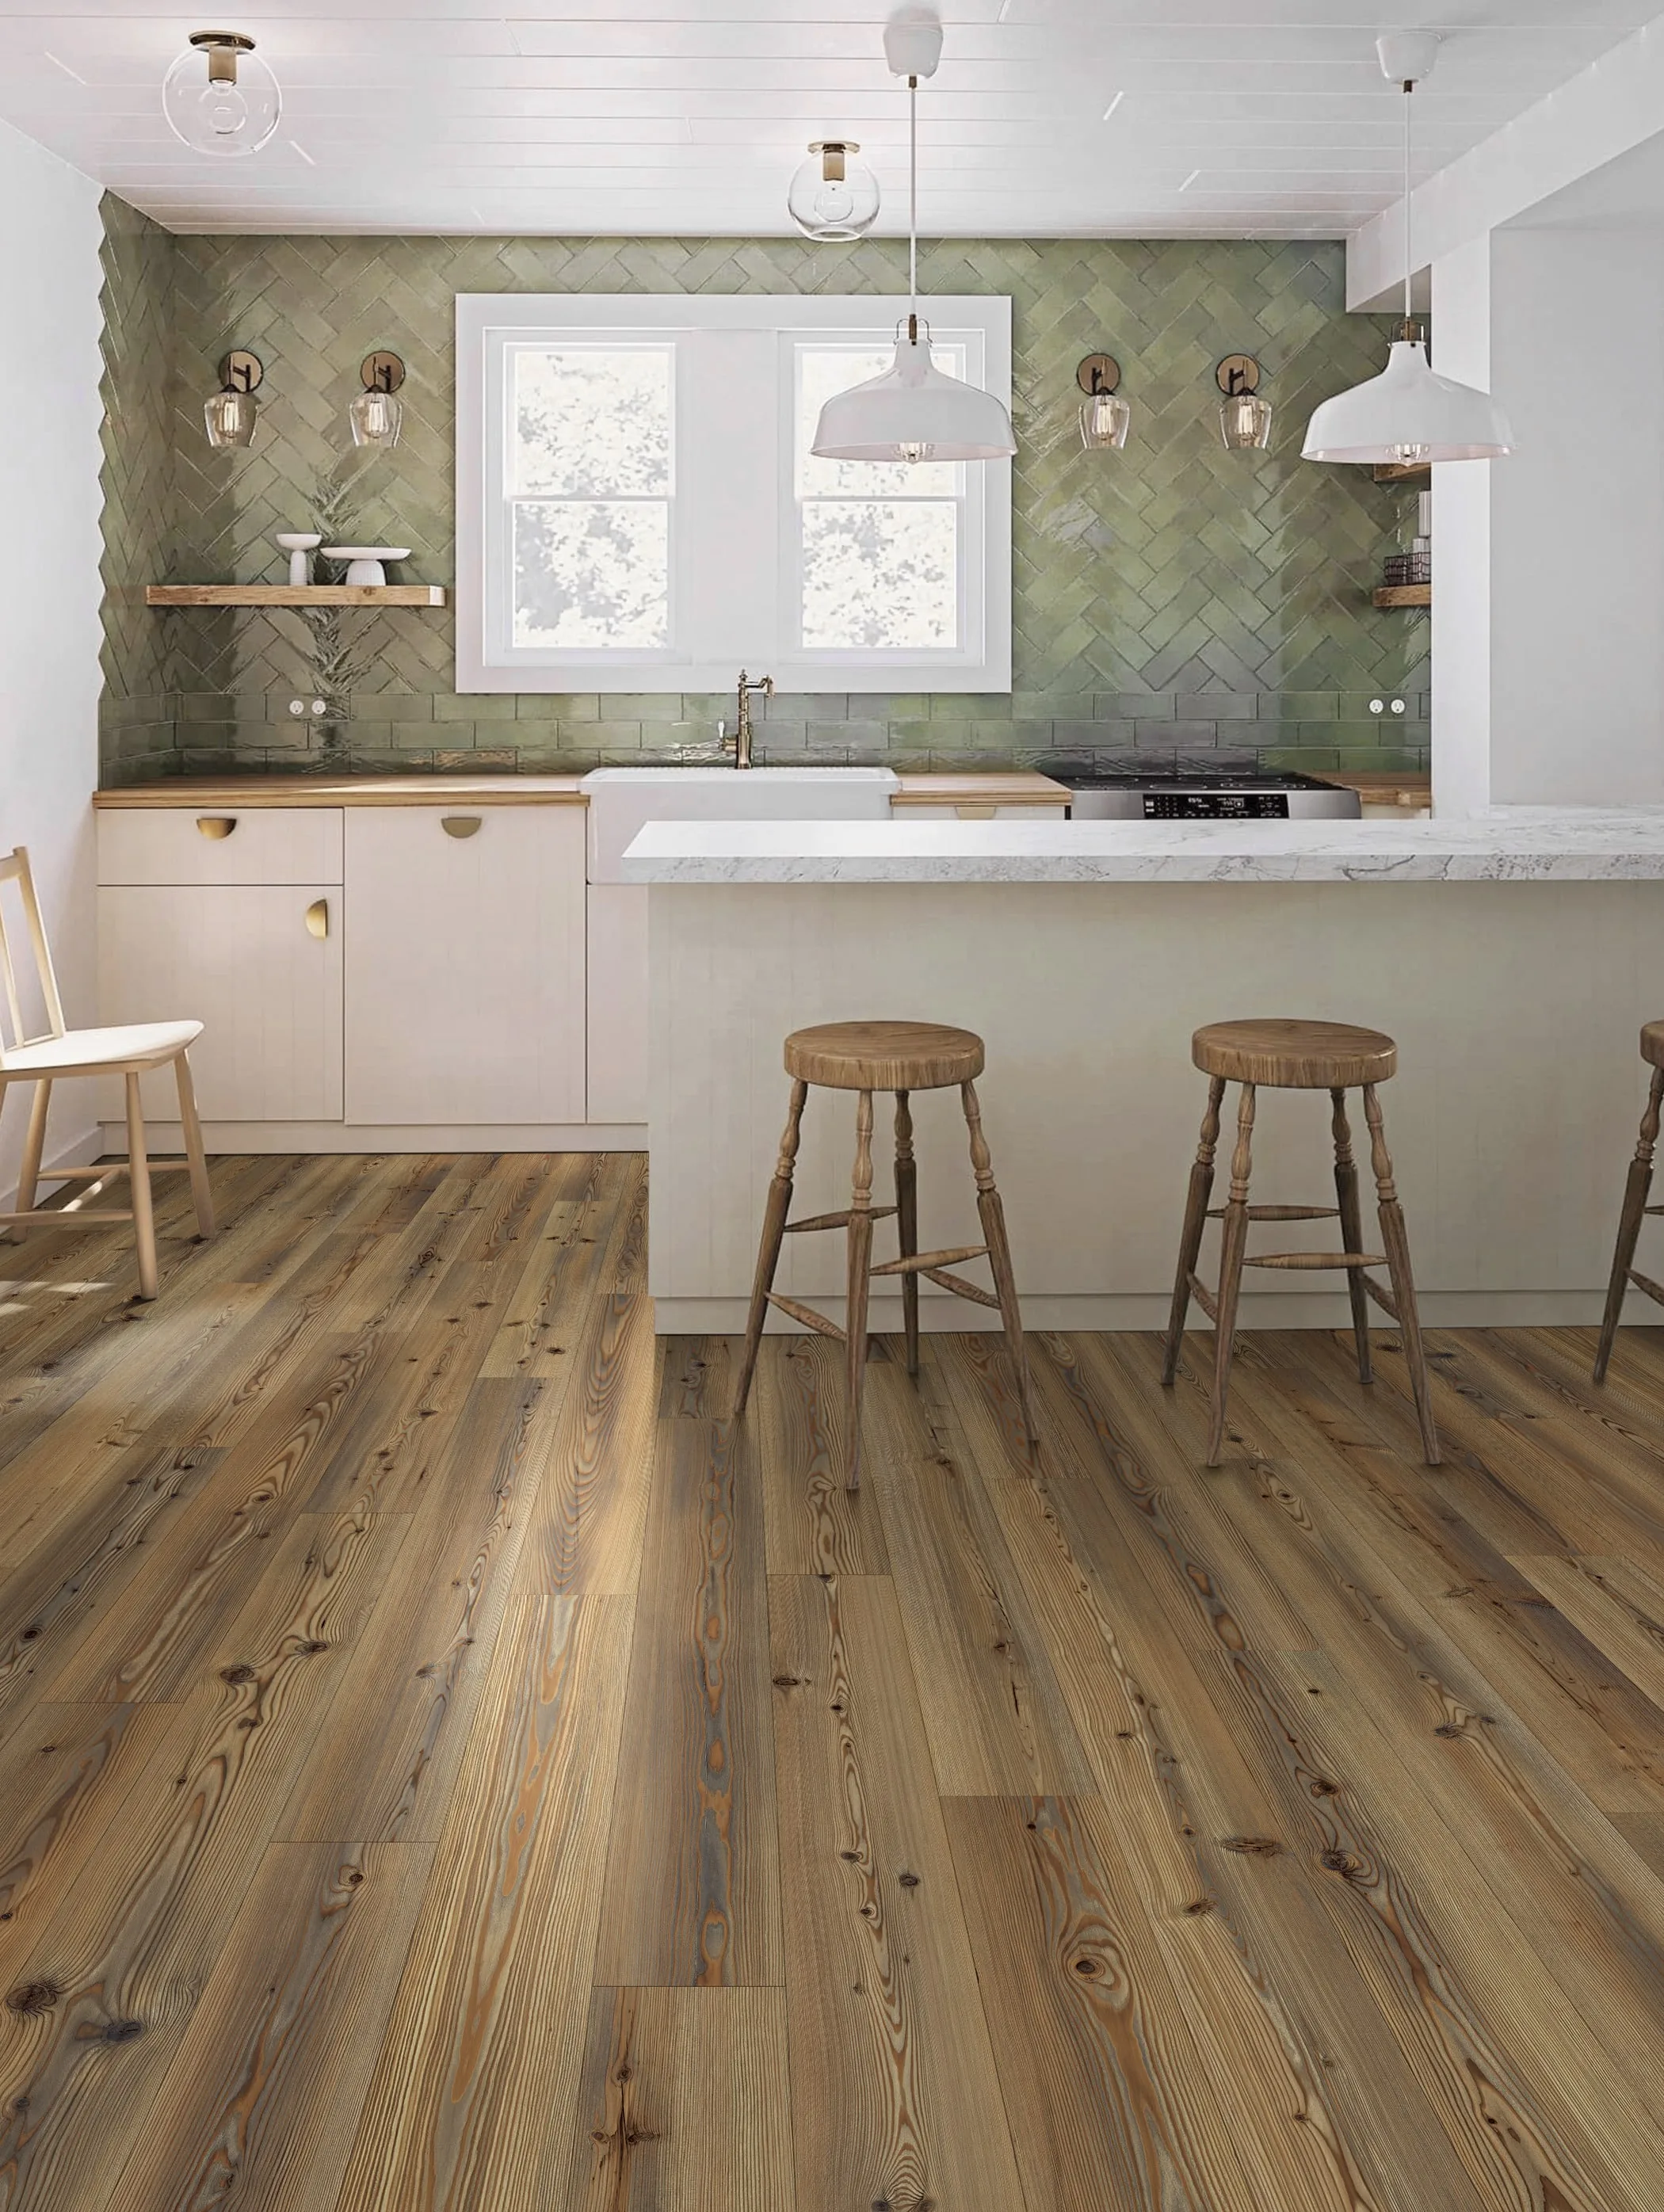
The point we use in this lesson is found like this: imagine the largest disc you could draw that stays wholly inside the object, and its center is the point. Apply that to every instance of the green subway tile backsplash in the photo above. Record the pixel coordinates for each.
(1174, 596)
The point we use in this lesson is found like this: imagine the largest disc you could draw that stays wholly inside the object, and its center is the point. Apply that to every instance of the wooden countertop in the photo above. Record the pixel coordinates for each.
(973, 788)
(351, 790)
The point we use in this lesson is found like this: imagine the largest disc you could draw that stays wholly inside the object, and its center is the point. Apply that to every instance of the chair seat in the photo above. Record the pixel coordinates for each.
(884, 1055)
(1652, 1043)
(85, 1052)
(1292, 1055)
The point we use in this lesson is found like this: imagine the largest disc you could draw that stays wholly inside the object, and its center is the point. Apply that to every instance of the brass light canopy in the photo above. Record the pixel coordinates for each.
(376, 415)
(1105, 417)
(1244, 417)
(232, 412)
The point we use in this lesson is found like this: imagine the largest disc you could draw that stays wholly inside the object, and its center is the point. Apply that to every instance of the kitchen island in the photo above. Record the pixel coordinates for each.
(1513, 956)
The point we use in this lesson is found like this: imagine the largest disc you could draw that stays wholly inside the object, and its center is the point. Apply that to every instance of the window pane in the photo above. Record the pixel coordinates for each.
(593, 573)
(825, 369)
(591, 421)
(880, 574)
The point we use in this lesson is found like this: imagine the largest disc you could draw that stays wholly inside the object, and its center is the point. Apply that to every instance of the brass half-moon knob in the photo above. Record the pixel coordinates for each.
(459, 825)
(217, 825)
(317, 918)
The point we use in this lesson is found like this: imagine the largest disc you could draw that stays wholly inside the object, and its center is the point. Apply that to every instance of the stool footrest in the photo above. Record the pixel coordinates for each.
(1282, 1213)
(835, 1220)
(1314, 1260)
(1653, 1209)
(960, 1287)
(807, 1316)
(921, 1263)
(1204, 1298)
(1382, 1296)
(109, 1168)
(1655, 1291)
(56, 1217)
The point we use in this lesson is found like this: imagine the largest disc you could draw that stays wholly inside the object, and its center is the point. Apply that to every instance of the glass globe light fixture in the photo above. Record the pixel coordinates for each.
(376, 415)
(831, 196)
(219, 97)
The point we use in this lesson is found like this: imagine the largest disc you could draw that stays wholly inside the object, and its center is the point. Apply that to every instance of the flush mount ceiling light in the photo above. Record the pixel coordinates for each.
(831, 196)
(914, 412)
(1105, 417)
(1244, 417)
(1408, 415)
(219, 97)
(377, 417)
(232, 412)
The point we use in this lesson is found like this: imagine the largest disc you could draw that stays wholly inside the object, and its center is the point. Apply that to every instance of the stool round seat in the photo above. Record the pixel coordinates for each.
(884, 1055)
(1294, 1055)
(1652, 1043)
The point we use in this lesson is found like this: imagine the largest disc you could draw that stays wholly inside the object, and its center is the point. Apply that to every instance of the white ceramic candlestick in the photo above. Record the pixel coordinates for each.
(298, 543)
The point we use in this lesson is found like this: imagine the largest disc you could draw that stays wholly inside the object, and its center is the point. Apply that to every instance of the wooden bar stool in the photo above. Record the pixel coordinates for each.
(900, 1057)
(1636, 1208)
(1287, 1056)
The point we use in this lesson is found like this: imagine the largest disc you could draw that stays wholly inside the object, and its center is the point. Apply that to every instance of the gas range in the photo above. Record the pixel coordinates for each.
(1122, 790)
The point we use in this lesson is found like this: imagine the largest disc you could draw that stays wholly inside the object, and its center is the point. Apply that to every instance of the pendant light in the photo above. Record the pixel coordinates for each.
(219, 97)
(832, 198)
(1408, 414)
(914, 412)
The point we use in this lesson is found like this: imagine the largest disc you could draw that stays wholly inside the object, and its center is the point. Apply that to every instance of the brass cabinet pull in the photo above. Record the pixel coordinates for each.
(317, 918)
(459, 825)
(217, 825)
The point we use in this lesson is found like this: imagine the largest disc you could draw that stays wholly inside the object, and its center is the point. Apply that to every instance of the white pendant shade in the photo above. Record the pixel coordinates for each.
(913, 412)
(1408, 414)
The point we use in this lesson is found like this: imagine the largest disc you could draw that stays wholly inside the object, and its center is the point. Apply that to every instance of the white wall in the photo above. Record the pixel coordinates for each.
(49, 575)
(1461, 548)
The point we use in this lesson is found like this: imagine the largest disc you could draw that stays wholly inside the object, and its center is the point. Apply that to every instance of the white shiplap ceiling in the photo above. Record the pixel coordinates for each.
(1112, 118)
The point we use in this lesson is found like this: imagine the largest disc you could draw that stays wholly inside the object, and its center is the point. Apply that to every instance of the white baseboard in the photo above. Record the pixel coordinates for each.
(361, 1137)
(1135, 1311)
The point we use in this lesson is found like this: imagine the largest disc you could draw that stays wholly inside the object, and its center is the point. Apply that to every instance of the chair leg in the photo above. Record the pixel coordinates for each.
(1195, 1221)
(202, 1196)
(1351, 1231)
(138, 1177)
(1396, 1242)
(1635, 1190)
(777, 1205)
(999, 1258)
(1232, 1247)
(35, 1144)
(861, 1269)
(906, 1224)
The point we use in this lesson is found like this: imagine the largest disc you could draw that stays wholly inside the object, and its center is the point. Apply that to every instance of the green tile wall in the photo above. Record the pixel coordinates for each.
(1172, 596)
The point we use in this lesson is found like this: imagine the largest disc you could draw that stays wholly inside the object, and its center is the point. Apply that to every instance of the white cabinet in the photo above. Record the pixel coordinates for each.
(258, 964)
(465, 965)
(617, 1002)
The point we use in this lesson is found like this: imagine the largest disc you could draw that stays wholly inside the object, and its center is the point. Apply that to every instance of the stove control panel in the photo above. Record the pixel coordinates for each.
(1216, 806)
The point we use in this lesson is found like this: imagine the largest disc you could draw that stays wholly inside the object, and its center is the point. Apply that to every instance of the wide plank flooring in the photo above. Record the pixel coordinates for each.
(445, 1766)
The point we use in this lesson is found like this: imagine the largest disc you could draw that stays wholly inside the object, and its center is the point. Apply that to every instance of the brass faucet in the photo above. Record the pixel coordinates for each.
(743, 726)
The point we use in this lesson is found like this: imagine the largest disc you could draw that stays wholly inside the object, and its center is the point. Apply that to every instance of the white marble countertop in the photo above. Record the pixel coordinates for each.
(1515, 844)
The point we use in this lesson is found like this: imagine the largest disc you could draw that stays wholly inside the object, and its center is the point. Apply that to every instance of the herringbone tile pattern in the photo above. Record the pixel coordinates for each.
(1174, 595)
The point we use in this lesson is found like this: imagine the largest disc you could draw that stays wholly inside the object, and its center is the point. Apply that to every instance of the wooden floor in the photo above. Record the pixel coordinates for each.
(442, 1763)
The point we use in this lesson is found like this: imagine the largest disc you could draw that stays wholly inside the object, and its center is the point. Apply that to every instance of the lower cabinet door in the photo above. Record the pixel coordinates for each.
(465, 964)
(260, 965)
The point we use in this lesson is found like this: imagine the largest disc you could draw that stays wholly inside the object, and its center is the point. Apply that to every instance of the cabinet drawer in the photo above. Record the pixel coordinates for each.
(220, 845)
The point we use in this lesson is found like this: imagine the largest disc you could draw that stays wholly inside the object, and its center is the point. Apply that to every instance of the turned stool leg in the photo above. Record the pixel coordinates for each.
(1195, 1221)
(906, 1224)
(1351, 1231)
(861, 1270)
(778, 1205)
(1635, 1190)
(1232, 1245)
(1396, 1243)
(35, 1144)
(999, 1256)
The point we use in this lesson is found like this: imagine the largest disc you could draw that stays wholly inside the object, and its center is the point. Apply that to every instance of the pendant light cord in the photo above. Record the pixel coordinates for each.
(1409, 91)
(913, 208)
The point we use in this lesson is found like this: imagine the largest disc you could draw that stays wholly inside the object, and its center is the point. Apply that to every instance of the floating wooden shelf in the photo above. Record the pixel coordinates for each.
(1403, 595)
(294, 595)
(1403, 472)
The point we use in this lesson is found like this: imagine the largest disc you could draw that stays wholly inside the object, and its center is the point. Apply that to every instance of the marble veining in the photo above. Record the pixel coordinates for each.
(1516, 844)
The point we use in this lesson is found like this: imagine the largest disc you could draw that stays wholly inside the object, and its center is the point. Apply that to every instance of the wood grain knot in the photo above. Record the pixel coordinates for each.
(788, 1681)
(30, 1999)
(908, 1880)
(1089, 1968)
(1202, 1905)
(1340, 1862)
(1254, 1847)
(239, 1674)
(121, 2031)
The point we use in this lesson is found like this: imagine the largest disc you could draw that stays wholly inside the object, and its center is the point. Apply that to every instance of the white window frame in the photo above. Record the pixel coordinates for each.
(734, 577)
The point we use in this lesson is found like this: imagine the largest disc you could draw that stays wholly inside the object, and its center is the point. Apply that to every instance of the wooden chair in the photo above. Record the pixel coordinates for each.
(57, 1054)
(1636, 1208)
(1292, 1055)
(900, 1057)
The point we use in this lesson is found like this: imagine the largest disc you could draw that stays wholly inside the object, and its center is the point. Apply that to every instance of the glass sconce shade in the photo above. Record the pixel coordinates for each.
(832, 196)
(219, 97)
(1105, 420)
(377, 418)
(1245, 422)
(231, 416)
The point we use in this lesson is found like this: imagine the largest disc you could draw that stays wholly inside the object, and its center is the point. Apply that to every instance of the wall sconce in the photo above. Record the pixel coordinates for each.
(232, 411)
(1244, 418)
(376, 417)
(1105, 419)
